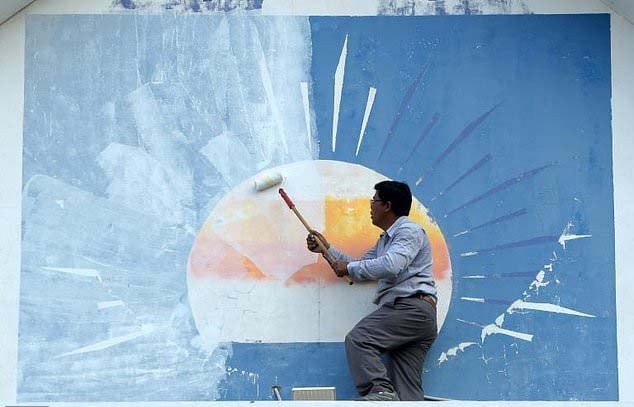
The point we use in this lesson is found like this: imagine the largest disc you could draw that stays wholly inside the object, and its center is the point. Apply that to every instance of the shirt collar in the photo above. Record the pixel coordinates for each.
(390, 231)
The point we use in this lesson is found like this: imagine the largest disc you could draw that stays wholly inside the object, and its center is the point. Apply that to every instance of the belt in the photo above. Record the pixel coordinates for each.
(426, 297)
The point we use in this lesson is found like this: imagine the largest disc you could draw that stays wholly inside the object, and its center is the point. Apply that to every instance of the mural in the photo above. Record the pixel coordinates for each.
(151, 269)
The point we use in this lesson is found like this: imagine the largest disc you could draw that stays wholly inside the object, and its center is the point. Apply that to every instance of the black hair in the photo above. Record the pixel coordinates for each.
(397, 194)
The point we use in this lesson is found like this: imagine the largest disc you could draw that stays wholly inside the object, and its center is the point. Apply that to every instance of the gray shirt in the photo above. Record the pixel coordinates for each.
(401, 261)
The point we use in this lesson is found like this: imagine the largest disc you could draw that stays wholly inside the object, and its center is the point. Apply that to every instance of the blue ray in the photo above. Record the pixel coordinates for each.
(464, 134)
(406, 99)
(509, 182)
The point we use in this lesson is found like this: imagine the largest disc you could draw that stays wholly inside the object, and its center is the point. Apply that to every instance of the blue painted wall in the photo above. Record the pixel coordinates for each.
(523, 127)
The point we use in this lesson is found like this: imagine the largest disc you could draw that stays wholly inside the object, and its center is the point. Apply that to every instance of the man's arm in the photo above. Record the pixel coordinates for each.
(340, 255)
(341, 259)
(401, 252)
(341, 267)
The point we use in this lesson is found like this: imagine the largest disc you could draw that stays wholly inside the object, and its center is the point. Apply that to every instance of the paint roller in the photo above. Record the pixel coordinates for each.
(322, 246)
(267, 181)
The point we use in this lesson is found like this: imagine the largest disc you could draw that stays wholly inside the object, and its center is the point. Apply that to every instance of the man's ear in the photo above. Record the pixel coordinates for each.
(388, 206)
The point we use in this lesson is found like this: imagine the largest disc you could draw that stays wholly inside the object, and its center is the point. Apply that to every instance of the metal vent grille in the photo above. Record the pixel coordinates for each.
(314, 393)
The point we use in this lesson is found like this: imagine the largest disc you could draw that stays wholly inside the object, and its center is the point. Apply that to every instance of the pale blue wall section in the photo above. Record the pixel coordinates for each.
(134, 127)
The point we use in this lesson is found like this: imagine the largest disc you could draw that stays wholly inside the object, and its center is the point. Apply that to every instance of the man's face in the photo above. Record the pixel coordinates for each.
(377, 209)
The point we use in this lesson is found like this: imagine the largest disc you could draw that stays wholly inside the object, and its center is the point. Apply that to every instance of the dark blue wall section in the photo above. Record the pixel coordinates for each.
(507, 121)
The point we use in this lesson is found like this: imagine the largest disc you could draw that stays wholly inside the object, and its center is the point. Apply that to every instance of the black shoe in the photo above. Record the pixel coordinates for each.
(380, 396)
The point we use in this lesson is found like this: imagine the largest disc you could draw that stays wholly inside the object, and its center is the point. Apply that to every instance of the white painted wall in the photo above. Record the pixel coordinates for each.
(623, 151)
(12, 38)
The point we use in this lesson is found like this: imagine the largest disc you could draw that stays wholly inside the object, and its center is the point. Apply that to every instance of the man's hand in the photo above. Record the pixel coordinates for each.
(340, 268)
(311, 241)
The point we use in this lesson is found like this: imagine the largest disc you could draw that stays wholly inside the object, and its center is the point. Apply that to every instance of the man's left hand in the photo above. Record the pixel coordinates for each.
(340, 268)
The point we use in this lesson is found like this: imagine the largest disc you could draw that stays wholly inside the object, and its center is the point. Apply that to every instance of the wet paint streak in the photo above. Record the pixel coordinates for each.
(105, 344)
(306, 103)
(522, 243)
(470, 171)
(487, 300)
(366, 116)
(452, 352)
(496, 329)
(404, 103)
(337, 91)
(501, 275)
(83, 272)
(464, 134)
(508, 183)
(566, 235)
(500, 219)
(546, 307)
(422, 137)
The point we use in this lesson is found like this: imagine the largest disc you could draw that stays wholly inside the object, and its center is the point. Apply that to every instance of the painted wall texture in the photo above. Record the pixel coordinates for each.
(152, 271)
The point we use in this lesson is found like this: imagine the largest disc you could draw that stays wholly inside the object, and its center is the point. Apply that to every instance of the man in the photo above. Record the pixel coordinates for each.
(404, 325)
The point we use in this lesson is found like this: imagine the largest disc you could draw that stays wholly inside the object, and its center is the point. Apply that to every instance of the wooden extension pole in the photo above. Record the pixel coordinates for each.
(322, 246)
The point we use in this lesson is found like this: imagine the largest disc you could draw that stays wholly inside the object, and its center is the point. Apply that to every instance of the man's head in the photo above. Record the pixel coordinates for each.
(392, 200)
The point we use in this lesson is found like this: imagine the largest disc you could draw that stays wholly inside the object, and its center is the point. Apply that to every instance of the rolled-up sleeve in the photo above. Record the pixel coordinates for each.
(341, 256)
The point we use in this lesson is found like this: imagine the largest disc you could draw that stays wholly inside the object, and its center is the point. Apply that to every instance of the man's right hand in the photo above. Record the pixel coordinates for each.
(311, 241)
